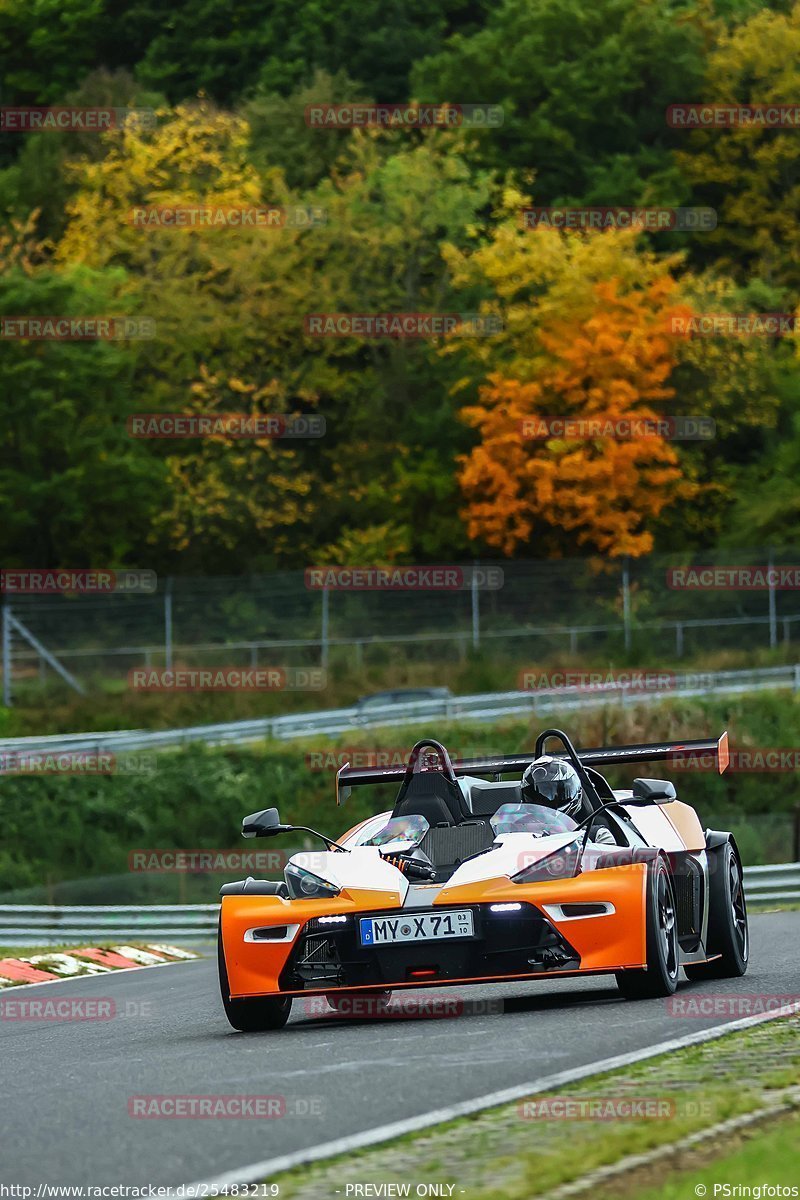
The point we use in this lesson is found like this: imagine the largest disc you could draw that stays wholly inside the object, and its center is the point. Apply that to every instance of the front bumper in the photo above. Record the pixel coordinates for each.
(504, 944)
(529, 943)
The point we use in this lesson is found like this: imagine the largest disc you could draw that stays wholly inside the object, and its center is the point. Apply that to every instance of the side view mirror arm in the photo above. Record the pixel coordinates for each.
(276, 829)
(635, 801)
(305, 829)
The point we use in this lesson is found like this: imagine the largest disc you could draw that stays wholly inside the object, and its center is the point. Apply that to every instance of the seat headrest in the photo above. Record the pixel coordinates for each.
(486, 798)
(434, 791)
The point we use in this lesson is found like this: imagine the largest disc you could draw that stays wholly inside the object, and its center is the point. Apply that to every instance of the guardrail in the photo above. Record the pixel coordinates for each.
(781, 882)
(48, 925)
(482, 708)
(53, 925)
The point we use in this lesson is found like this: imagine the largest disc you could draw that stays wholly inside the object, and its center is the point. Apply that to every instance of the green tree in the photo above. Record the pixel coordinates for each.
(392, 471)
(584, 88)
(46, 47)
(73, 490)
(225, 49)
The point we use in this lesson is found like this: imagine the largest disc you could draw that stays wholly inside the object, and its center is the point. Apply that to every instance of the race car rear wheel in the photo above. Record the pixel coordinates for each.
(728, 933)
(251, 1016)
(359, 1004)
(661, 976)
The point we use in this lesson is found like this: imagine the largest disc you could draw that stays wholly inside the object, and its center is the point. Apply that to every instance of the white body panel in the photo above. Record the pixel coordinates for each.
(362, 868)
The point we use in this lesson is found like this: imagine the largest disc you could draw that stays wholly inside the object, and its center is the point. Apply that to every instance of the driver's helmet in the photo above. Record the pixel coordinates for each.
(553, 782)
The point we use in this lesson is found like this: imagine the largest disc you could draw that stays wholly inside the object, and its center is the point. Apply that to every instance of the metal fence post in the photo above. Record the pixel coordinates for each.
(168, 624)
(476, 616)
(7, 654)
(325, 627)
(626, 601)
(678, 639)
(773, 623)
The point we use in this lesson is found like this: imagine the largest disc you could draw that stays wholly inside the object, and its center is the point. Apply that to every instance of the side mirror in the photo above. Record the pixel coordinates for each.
(263, 824)
(654, 791)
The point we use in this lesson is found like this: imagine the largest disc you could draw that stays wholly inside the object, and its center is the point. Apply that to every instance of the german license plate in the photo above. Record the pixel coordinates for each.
(419, 927)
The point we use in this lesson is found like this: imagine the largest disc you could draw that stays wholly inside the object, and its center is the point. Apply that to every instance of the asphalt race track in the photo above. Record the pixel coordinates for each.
(64, 1115)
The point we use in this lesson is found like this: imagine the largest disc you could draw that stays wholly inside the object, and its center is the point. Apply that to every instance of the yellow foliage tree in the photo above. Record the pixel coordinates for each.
(224, 492)
(749, 172)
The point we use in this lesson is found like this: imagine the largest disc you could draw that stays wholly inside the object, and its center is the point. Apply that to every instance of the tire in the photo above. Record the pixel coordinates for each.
(728, 932)
(359, 1004)
(663, 954)
(251, 1016)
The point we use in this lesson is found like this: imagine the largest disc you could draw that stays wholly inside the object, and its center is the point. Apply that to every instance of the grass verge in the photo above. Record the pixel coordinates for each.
(516, 1153)
(764, 1159)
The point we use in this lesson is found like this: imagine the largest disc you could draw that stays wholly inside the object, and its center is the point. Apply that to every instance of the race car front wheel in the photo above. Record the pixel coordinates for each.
(661, 976)
(728, 933)
(251, 1016)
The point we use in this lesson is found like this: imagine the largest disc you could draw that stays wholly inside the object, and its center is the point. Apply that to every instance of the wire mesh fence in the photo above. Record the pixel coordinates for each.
(673, 605)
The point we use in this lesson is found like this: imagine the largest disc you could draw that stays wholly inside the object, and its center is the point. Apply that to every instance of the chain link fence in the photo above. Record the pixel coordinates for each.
(582, 606)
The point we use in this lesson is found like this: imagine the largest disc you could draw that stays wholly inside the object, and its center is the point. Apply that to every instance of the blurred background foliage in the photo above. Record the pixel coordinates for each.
(422, 460)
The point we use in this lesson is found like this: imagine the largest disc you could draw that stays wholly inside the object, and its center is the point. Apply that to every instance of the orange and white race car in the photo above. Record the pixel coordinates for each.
(464, 880)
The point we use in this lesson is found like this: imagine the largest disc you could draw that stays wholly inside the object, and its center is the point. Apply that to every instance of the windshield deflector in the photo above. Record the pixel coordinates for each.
(408, 830)
(531, 818)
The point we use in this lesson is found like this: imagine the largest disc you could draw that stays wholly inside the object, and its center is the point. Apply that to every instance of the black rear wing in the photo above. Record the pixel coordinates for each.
(602, 756)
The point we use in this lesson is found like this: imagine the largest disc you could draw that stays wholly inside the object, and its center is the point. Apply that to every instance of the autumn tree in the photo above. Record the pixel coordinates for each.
(600, 491)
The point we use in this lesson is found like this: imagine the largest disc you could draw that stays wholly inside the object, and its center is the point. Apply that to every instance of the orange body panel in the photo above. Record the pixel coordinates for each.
(616, 940)
(254, 967)
(604, 943)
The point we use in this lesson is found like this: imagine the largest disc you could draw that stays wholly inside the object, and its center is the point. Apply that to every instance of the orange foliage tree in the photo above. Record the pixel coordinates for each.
(614, 365)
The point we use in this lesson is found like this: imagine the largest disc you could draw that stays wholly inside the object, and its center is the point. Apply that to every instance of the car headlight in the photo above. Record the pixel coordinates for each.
(563, 864)
(304, 885)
